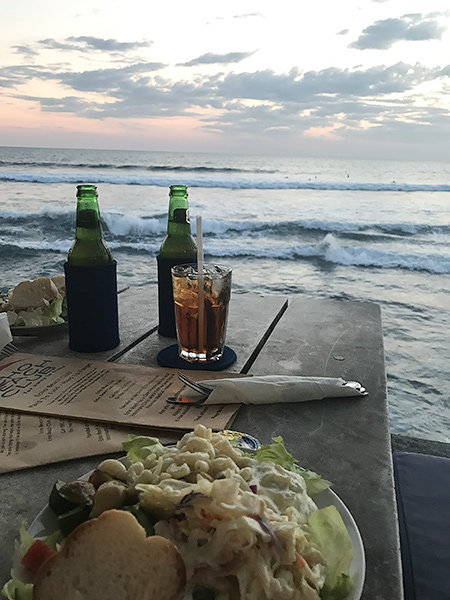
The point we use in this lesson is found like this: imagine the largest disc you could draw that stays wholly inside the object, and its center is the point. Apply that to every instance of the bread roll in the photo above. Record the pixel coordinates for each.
(31, 294)
(110, 558)
(60, 282)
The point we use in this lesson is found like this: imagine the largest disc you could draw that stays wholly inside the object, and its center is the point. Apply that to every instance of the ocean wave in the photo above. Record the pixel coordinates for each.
(131, 167)
(332, 251)
(329, 250)
(8, 246)
(123, 224)
(260, 183)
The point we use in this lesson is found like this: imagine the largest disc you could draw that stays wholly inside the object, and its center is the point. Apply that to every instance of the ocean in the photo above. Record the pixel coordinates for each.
(359, 230)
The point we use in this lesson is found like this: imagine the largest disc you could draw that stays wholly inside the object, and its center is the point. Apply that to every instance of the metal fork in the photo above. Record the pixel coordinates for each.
(201, 389)
(8, 350)
(195, 385)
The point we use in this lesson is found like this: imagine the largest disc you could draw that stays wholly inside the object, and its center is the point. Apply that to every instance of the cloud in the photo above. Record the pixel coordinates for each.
(248, 15)
(426, 129)
(411, 27)
(106, 80)
(266, 85)
(110, 45)
(254, 104)
(88, 43)
(68, 104)
(26, 51)
(16, 75)
(217, 59)
(334, 82)
(251, 15)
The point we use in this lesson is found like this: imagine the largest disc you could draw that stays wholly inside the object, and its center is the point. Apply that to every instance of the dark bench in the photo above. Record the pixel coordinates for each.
(422, 486)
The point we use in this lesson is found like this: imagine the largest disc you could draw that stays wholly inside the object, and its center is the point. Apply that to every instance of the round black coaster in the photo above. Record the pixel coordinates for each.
(169, 358)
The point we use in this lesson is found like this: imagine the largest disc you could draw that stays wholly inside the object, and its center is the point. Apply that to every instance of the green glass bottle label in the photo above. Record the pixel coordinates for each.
(181, 215)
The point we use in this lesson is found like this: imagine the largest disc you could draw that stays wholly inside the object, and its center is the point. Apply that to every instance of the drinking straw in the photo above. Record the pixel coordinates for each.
(201, 300)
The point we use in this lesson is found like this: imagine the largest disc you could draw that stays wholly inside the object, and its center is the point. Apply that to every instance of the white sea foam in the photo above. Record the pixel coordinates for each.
(229, 182)
(123, 225)
(331, 250)
(37, 245)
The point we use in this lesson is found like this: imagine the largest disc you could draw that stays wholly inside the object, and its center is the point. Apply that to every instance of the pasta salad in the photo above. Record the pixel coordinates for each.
(245, 524)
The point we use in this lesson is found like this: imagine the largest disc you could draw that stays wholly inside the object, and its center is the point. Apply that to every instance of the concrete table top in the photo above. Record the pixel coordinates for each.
(347, 441)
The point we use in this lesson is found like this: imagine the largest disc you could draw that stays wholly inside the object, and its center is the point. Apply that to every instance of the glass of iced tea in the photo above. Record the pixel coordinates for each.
(201, 311)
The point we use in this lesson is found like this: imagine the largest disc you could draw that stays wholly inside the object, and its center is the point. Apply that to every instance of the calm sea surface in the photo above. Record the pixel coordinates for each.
(345, 229)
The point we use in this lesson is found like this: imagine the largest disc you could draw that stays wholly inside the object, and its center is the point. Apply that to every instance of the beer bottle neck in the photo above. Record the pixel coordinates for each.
(178, 243)
(89, 247)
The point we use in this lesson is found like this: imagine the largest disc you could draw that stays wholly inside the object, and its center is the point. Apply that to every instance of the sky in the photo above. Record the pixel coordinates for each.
(349, 78)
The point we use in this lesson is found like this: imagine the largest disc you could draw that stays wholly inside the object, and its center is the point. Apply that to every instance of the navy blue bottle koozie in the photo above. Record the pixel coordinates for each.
(92, 307)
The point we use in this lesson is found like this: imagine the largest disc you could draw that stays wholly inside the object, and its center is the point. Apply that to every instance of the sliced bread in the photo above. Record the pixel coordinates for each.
(110, 558)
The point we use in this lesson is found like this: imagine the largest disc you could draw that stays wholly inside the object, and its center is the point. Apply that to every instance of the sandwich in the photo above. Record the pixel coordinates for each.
(36, 303)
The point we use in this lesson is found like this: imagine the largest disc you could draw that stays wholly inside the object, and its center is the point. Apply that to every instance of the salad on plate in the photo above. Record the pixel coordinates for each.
(245, 523)
(37, 303)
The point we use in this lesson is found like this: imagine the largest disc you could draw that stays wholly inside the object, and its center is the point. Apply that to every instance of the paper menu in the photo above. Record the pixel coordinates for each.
(53, 409)
(115, 393)
(33, 440)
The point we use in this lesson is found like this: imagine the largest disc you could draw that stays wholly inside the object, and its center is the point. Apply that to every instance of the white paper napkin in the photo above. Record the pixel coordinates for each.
(271, 389)
(5, 332)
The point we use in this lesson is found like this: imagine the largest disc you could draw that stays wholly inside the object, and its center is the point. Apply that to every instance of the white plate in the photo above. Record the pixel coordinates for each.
(45, 523)
(38, 330)
(358, 566)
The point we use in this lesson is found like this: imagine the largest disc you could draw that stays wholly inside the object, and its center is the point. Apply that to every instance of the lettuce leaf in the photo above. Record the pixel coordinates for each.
(138, 447)
(21, 547)
(17, 590)
(330, 536)
(19, 587)
(54, 540)
(64, 309)
(32, 318)
(54, 310)
(26, 539)
(278, 454)
(341, 589)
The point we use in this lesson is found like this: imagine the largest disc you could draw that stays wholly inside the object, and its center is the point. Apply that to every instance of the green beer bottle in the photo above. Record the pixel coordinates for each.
(178, 247)
(91, 281)
(89, 248)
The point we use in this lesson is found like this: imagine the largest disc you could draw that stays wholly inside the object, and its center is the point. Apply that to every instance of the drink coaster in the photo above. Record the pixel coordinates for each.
(169, 358)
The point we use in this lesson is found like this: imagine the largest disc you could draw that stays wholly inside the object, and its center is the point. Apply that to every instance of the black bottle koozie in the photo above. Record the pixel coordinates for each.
(92, 307)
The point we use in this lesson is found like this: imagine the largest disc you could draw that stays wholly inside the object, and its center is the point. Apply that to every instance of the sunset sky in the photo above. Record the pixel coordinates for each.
(356, 78)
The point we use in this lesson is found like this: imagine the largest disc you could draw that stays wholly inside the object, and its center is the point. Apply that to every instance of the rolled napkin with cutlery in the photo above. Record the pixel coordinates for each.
(269, 389)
